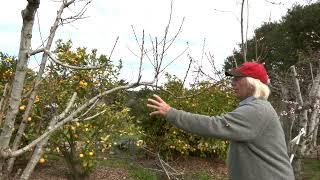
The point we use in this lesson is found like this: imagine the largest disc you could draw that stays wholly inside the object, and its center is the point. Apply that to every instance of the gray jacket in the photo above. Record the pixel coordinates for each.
(257, 147)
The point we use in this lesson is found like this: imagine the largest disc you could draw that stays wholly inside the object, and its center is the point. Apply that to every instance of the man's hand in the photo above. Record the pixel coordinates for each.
(160, 107)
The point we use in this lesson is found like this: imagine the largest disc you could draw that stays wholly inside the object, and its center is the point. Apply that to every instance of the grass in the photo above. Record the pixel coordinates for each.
(311, 169)
(135, 171)
(143, 174)
(200, 175)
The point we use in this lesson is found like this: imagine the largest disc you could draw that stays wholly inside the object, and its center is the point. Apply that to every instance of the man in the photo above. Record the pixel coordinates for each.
(257, 147)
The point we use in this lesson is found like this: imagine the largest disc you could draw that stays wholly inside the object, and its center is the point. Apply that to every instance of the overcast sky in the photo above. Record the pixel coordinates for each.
(213, 20)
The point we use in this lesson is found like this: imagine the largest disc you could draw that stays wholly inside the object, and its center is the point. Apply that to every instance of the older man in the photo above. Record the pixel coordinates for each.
(257, 147)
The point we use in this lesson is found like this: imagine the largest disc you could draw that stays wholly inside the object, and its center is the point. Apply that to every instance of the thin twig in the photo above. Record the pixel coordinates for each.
(165, 170)
(141, 56)
(187, 72)
(113, 48)
(89, 109)
(173, 60)
(89, 118)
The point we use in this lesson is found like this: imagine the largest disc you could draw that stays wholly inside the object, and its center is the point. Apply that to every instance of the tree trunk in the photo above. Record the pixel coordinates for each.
(297, 167)
(286, 121)
(303, 121)
(37, 153)
(243, 47)
(77, 171)
(314, 96)
(18, 82)
(23, 124)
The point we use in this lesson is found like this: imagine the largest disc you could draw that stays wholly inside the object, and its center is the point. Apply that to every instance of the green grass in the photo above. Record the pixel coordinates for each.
(200, 175)
(311, 169)
(135, 171)
(143, 174)
(115, 162)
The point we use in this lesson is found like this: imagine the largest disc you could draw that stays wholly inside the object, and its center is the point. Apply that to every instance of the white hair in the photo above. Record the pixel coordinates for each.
(260, 90)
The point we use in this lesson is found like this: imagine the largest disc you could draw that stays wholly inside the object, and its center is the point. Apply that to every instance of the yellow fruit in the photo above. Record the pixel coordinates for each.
(90, 153)
(76, 136)
(81, 155)
(37, 99)
(42, 160)
(83, 84)
(22, 108)
(72, 128)
(29, 119)
(77, 124)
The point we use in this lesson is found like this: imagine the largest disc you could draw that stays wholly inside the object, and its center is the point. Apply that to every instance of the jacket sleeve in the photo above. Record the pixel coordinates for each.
(242, 124)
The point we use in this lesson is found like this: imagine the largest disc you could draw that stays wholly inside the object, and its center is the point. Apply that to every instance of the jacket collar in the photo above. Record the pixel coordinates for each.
(248, 99)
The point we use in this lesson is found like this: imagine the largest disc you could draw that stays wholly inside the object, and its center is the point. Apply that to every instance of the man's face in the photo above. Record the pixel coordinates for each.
(240, 87)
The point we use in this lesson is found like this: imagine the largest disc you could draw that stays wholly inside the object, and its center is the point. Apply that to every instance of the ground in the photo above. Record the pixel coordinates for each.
(126, 167)
(190, 166)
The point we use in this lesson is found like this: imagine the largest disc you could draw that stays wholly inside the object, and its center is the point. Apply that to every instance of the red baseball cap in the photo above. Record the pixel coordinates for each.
(250, 69)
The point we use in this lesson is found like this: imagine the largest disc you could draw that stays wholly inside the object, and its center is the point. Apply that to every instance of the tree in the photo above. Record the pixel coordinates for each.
(70, 111)
(203, 98)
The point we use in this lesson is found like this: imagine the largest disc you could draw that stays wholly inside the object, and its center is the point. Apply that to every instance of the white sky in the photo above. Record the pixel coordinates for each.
(214, 20)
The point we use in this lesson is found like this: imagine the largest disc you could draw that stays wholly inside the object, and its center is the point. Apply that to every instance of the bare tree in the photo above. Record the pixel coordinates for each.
(300, 109)
(72, 113)
(243, 44)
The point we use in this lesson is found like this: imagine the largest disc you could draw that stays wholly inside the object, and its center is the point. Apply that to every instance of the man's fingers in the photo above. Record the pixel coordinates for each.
(154, 102)
(153, 106)
(155, 113)
(158, 98)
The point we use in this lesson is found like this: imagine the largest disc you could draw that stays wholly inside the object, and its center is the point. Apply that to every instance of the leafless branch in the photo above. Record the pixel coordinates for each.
(39, 50)
(70, 104)
(185, 77)
(310, 64)
(210, 58)
(132, 52)
(176, 35)
(234, 60)
(113, 47)
(223, 11)
(174, 60)
(91, 117)
(89, 109)
(164, 169)
(274, 3)
(141, 56)
(246, 42)
(75, 17)
(243, 50)
(39, 29)
(70, 66)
